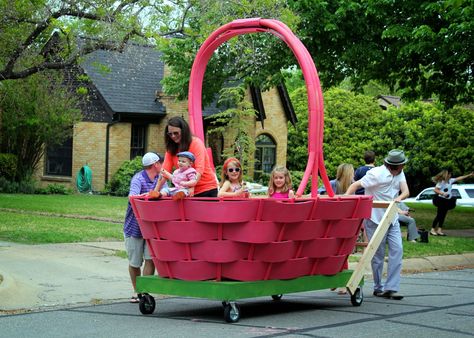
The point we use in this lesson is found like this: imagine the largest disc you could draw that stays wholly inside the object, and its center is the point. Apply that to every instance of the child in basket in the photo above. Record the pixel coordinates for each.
(279, 185)
(183, 178)
(231, 180)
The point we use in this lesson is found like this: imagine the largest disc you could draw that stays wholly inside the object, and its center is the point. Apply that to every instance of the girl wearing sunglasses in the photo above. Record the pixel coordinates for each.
(231, 180)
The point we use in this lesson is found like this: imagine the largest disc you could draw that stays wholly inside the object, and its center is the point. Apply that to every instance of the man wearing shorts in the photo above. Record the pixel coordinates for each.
(137, 250)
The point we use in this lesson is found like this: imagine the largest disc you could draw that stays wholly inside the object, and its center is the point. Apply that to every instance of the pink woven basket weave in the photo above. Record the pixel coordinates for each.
(250, 239)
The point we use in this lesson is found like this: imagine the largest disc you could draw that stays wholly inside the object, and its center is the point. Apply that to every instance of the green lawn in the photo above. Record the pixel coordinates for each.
(83, 205)
(36, 219)
(438, 246)
(37, 229)
(459, 218)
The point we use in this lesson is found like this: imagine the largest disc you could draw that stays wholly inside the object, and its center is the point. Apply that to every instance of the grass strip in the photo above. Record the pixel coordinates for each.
(106, 207)
(38, 229)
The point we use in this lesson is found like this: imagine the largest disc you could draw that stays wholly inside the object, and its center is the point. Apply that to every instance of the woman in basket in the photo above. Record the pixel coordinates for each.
(178, 138)
(279, 185)
(231, 180)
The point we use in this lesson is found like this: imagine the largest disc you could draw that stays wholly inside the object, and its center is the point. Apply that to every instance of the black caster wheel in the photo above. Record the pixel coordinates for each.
(277, 297)
(357, 297)
(232, 312)
(147, 304)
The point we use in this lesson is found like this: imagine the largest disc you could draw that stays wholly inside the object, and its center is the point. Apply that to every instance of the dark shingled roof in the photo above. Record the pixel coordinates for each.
(387, 100)
(127, 81)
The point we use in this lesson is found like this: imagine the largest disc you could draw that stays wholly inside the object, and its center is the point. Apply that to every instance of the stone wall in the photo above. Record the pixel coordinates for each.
(275, 124)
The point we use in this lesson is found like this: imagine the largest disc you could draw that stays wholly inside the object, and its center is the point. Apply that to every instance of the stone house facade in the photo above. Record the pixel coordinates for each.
(125, 114)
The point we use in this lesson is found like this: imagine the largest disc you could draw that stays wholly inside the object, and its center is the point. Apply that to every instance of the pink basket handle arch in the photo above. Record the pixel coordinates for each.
(315, 97)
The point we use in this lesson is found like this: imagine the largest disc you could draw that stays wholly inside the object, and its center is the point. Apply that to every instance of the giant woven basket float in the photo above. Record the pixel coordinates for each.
(254, 239)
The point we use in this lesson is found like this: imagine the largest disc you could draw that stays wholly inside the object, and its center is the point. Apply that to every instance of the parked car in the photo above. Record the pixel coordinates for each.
(255, 188)
(463, 192)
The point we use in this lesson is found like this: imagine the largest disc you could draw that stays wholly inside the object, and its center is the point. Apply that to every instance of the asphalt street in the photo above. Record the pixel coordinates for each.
(436, 304)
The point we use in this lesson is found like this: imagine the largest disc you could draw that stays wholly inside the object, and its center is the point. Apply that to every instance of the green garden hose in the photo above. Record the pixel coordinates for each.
(84, 179)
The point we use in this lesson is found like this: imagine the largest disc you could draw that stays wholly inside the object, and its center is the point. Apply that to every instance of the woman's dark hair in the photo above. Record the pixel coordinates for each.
(186, 136)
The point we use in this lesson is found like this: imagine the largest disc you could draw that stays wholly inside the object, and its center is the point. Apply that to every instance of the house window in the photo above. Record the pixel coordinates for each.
(265, 154)
(137, 144)
(59, 159)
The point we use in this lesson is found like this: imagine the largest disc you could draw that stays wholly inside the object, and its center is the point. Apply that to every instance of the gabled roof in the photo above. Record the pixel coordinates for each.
(128, 80)
(387, 100)
(256, 96)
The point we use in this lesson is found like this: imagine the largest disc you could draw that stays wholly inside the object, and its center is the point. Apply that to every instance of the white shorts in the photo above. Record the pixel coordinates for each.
(137, 250)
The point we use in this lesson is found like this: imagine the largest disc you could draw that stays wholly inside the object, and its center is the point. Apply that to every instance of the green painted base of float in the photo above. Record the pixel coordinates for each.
(233, 290)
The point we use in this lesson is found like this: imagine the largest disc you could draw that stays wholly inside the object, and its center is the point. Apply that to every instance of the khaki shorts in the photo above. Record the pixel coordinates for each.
(137, 250)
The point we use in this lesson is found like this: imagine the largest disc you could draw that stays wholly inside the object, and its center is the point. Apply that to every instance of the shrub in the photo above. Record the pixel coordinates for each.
(262, 178)
(120, 183)
(296, 177)
(8, 166)
(57, 189)
(7, 186)
(27, 186)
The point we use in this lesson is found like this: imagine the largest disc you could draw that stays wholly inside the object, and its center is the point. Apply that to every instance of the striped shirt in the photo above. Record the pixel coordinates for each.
(140, 184)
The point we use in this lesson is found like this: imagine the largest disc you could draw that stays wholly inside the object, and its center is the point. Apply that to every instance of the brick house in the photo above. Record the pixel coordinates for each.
(126, 111)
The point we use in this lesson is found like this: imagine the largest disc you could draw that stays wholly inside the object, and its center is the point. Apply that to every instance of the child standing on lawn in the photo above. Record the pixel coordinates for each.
(279, 185)
(231, 184)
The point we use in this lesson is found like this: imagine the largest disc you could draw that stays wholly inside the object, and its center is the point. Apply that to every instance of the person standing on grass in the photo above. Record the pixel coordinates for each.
(369, 159)
(386, 183)
(137, 250)
(444, 200)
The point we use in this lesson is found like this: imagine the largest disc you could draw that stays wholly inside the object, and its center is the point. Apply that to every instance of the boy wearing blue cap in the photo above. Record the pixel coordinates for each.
(183, 178)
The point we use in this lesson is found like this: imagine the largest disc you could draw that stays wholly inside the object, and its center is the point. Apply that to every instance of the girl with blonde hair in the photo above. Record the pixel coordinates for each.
(280, 184)
(344, 178)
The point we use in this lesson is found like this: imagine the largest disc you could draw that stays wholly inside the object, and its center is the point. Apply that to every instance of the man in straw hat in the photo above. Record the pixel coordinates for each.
(386, 183)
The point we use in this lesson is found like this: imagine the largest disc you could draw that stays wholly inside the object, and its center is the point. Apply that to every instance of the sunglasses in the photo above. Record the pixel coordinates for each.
(173, 133)
(231, 170)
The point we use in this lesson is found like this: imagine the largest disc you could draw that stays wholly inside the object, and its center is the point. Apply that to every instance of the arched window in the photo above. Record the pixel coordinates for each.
(265, 154)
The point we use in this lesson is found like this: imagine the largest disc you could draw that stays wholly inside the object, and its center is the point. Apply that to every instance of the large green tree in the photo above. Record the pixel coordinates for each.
(36, 111)
(432, 137)
(350, 125)
(253, 58)
(424, 48)
(26, 28)
(41, 38)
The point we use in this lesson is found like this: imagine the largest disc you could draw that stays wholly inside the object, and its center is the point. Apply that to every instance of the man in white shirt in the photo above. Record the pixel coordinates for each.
(386, 183)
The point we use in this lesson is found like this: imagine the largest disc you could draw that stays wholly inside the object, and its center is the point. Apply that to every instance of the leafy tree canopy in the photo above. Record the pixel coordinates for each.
(26, 28)
(433, 138)
(254, 58)
(424, 48)
(35, 111)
